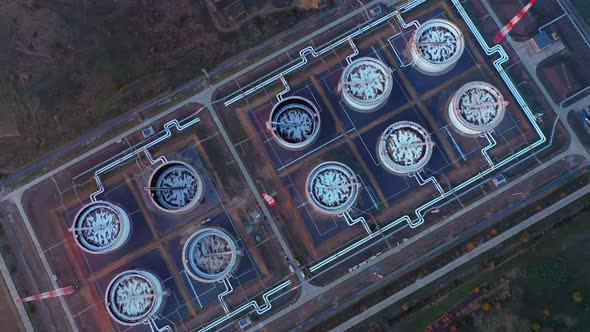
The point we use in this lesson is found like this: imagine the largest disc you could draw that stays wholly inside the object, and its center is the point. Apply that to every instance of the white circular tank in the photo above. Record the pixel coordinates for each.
(436, 46)
(210, 255)
(294, 123)
(366, 84)
(404, 148)
(101, 227)
(332, 188)
(175, 187)
(134, 296)
(476, 108)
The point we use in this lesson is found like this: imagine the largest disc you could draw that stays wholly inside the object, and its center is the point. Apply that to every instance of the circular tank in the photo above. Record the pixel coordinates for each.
(175, 187)
(210, 255)
(101, 227)
(436, 46)
(477, 107)
(294, 123)
(366, 84)
(134, 296)
(332, 188)
(404, 148)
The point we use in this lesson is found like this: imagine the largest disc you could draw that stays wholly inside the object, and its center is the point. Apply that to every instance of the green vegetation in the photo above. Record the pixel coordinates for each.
(73, 65)
(550, 275)
(555, 85)
(579, 128)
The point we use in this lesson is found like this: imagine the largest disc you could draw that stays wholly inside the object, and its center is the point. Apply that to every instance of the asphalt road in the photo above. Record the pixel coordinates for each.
(462, 260)
(203, 97)
(579, 24)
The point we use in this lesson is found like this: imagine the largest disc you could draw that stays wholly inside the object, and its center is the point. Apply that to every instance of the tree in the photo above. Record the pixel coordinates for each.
(577, 297)
(535, 326)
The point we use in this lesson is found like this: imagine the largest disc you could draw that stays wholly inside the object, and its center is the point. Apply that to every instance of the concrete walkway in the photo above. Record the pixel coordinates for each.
(462, 260)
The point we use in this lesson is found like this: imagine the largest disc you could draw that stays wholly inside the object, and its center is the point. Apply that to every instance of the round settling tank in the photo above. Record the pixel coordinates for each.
(175, 187)
(436, 46)
(210, 255)
(101, 227)
(294, 123)
(404, 148)
(134, 296)
(332, 188)
(366, 84)
(476, 108)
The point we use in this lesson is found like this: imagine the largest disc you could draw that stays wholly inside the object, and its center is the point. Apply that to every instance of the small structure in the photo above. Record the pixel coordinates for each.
(134, 296)
(332, 188)
(210, 255)
(542, 40)
(404, 148)
(175, 187)
(366, 84)
(436, 46)
(101, 227)
(476, 108)
(294, 123)
(244, 323)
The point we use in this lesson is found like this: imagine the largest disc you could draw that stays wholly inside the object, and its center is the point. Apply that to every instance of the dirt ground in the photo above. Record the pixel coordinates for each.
(261, 166)
(542, 12)
(68, 66)
(404, 261)
(51, 201)
(9, 318)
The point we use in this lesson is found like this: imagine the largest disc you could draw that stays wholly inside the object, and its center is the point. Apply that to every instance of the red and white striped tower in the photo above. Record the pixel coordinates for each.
(53, 293)
(506, 29)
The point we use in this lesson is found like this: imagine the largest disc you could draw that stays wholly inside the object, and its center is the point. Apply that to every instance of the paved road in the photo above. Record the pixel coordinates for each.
(578, 23)
(305, 298)
(530, 63)
(523, 50)
(14, 295)
(204, 97)
(462, 260)
(256, 193)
